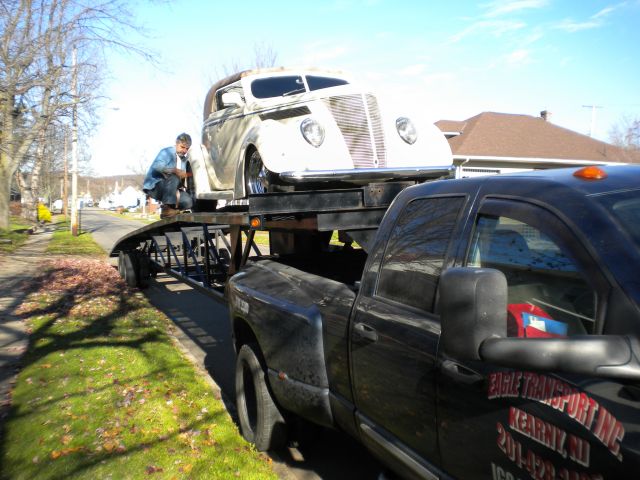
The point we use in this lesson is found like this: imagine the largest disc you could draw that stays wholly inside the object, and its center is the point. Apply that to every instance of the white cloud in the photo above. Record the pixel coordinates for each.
(572, 26)
(519, 57)
(413, 70)
(496, 28)
(322, 53)
(497, 8)
(594, 21)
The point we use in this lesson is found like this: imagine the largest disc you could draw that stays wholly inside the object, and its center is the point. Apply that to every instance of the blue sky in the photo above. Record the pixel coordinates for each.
(444, 60)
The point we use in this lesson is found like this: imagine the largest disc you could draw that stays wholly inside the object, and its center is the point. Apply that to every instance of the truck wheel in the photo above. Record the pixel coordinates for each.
(144, 270)
(260, 420)
(127, 268)
(257, 177)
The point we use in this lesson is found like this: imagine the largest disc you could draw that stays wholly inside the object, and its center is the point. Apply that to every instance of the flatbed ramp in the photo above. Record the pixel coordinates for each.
(204, 249)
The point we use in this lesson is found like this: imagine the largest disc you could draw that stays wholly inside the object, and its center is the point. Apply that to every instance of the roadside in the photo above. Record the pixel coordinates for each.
(76, 406)
(16, 271)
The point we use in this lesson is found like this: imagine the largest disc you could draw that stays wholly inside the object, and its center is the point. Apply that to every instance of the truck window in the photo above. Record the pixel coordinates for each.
(548, 296)
(416, 250)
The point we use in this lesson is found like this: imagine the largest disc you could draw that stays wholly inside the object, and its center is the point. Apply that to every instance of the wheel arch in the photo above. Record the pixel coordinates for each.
(243, 334)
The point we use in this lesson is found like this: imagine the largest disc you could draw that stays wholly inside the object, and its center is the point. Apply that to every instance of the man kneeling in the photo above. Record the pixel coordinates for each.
(165, 179)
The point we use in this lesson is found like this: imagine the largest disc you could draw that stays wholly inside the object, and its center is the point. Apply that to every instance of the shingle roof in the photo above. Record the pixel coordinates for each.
(491, 134)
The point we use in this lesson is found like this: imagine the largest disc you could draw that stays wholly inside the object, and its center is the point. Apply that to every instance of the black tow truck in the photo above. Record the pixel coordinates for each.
(486, 328)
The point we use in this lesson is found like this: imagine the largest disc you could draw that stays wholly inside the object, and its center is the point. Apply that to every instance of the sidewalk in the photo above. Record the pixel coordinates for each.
(15, 269)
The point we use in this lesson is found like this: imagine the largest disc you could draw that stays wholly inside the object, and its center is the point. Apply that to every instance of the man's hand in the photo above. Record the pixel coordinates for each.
(181, 174)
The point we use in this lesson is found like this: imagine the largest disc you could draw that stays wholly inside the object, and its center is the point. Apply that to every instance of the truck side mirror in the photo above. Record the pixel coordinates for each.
(473, 315)
(473, 307)
(231, 99)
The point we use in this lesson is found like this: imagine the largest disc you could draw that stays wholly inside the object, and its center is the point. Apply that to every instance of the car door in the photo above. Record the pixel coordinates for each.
(394, 337)
(505, 424)
(223, 137)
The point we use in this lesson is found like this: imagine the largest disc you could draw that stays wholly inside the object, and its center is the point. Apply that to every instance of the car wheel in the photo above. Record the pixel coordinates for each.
(257, 177)
(261, 423)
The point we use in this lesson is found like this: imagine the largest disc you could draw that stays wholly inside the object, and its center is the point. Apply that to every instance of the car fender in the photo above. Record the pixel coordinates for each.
(283, 148)
(197, 159)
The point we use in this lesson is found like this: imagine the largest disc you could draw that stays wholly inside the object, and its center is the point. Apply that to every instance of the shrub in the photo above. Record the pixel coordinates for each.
(44, 215)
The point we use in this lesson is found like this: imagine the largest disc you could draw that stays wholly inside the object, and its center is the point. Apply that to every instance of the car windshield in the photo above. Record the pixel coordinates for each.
(291, 84)
(625, 207)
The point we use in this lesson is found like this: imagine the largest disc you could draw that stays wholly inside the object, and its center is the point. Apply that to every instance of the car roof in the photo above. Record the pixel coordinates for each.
(209, 104)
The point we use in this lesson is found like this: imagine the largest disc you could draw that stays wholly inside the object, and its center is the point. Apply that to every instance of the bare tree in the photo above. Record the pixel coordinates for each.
(36, 38)
(264, 56)
(626, 134)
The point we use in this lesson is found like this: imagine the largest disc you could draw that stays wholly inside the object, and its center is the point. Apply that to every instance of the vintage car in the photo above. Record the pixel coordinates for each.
(284, 129)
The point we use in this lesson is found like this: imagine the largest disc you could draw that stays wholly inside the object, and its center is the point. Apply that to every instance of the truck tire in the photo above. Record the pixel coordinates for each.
(144, 270)
(127, 266)
(261, 423)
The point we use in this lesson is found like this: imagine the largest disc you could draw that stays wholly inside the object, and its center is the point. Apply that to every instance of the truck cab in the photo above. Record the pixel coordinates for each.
(493, 333)
(566, 247)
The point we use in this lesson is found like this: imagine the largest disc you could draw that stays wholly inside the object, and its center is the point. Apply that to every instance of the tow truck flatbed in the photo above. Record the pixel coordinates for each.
(205, 248)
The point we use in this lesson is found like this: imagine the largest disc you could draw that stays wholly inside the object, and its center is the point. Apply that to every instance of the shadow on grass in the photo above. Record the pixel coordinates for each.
(71, 290)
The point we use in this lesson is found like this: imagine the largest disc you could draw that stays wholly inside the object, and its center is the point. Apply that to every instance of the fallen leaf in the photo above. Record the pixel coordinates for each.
(151, 469)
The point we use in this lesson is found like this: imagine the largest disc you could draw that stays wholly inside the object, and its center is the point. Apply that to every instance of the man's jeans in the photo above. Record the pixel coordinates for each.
(165, 192)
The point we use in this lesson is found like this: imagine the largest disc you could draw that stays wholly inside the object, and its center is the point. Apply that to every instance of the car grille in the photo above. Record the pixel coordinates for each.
(358, 118)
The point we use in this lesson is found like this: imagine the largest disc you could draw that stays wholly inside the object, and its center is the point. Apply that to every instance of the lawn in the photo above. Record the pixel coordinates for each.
(64, 243)
(15, 236)
(105, 393)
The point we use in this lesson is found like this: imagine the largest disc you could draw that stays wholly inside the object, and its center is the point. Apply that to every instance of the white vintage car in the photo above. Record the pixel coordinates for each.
(282, 129)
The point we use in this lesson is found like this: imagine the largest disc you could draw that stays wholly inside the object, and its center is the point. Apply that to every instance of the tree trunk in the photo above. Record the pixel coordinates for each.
(5, 193)
(29, 206)
(6, 174)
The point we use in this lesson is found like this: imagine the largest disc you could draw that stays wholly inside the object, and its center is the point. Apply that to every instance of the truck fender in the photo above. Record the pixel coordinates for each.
(289, 338)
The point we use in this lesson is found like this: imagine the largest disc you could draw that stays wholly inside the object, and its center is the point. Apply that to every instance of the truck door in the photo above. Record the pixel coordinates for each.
(394, 337)
(507, 424)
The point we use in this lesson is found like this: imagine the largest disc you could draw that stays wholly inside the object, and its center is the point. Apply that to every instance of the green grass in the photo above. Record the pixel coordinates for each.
(105, 393)
(16, 234)
(64, 243)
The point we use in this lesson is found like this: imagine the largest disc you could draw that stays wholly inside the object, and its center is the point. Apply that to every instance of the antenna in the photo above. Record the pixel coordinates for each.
(593, 117)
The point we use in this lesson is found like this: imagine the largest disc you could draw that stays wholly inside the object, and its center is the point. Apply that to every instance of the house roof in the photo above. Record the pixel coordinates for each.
(492, 134)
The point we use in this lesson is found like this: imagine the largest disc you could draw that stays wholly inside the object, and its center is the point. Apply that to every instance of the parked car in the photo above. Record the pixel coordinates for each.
(286, 129)
(56, 207)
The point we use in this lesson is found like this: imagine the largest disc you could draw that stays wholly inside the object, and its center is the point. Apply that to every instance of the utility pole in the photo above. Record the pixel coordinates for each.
(593, 117)
(74, 148)
(65, 184)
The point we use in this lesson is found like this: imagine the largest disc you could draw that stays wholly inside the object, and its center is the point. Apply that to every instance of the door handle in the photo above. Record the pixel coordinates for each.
(460, 373)
(365, 331)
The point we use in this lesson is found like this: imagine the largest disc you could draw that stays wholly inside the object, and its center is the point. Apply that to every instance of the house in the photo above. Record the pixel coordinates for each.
(493, 142)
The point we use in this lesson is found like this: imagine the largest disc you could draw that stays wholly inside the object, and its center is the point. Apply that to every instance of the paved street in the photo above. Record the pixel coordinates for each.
(206, 335)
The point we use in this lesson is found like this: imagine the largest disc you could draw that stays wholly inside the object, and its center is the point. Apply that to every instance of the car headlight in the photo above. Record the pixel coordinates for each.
(407, 130)
(312, 132)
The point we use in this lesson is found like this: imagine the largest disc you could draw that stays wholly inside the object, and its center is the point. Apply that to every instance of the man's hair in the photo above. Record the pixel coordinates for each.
(184, 138)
